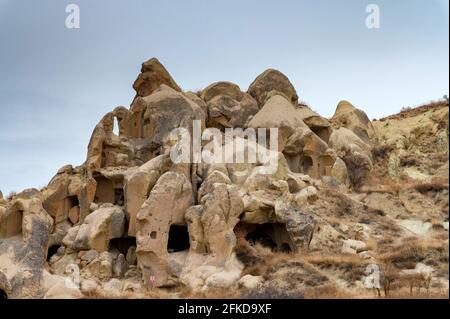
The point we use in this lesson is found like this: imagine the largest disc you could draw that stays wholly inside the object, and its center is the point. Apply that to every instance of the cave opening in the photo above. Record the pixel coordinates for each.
(119, 197)
(270, 235)
(262, 234)
(105, 190)
(3, 294)
(325, 165)
(122, 244)
(322, 132)
(306, 165)
(52, 250)
(73, 201)
(178, 238)
(13, 223)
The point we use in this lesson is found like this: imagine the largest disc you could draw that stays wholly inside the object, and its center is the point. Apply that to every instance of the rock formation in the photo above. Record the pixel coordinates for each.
(130, 218)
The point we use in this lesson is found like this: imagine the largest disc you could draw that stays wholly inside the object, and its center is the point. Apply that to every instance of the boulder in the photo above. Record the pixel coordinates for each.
(272, 82)
(97, 230)
(224, 111)
(354, 119)
(131, 255)
(120, 266)
(352, 246)
(153, 75)
(158, 114)
(250, 282)
(223, 88)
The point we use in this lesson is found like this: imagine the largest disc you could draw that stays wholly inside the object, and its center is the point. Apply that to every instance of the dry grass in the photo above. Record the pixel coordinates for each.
(388, 185)
(413, 111)
(414, 250)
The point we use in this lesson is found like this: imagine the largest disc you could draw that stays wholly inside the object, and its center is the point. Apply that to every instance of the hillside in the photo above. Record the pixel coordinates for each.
(334, 204)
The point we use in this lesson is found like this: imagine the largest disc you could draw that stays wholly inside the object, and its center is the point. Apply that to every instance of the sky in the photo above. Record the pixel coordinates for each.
(56, 83)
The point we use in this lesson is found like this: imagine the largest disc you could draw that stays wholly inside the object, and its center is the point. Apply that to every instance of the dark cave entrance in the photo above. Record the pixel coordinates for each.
(270, 235)
(109, 191)
(73, 201)
(322, 132)
(122, 244)
(306, 164)
(262, 234)
(119, 197)
(52, 250)
(178, 238)
(105, 190)
(3, 294)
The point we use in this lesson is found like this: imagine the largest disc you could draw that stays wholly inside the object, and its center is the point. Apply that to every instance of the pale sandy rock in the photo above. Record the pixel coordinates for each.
(166, 205)
(353, 246)
(224, 111)
(140, 183)
(113, 287)
(89, 286)
(98, 229)
(61, 291)
(153, 74)
(354, 119)
(163, 111)
(339, 171)
(222, 88)
(74, 214)
(131, 255)
(417, 227)
(310, 192)
(120, 266)
(272, 82)
(324, 236)
(250, 282)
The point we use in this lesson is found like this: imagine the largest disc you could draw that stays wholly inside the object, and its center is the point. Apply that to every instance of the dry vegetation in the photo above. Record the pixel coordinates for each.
(413, 111)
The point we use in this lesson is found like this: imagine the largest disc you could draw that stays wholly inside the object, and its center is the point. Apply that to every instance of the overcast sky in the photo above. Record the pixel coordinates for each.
(56, 83)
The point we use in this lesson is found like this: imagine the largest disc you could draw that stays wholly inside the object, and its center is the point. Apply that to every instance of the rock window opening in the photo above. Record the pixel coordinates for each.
(52, 250)
(178, 239)
(116, 126)
(122, 244)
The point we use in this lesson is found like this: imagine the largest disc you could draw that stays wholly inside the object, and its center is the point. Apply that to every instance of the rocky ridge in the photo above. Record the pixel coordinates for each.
(129, 222)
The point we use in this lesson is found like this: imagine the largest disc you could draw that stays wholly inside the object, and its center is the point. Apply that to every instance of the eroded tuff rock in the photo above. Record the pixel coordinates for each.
(130, 218)
(153, 74)
(354, 119)
(272, 82)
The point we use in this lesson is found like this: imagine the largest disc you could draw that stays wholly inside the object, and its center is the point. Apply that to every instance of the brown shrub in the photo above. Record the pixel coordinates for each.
(433, 186)
(358, 169)
(408, 161)
(380, 151)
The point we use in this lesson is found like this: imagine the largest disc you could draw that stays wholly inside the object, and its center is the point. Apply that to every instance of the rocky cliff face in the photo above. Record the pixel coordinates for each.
(347, 193)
